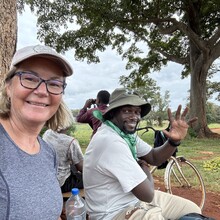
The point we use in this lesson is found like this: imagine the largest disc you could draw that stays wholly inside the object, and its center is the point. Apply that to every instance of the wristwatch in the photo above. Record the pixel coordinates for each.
(174, 143)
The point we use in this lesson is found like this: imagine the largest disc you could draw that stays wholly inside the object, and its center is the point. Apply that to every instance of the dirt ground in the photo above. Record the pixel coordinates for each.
(212, 205)
(216, 130)
(212, 201)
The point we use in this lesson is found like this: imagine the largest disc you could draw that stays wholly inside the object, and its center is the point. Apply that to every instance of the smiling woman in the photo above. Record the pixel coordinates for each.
(31, 98)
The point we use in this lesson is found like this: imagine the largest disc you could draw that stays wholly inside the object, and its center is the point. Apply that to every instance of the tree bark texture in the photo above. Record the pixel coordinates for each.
(200, 63)
(8, 34)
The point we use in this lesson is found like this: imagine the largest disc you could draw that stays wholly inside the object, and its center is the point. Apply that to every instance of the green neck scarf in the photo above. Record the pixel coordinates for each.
(129, 138)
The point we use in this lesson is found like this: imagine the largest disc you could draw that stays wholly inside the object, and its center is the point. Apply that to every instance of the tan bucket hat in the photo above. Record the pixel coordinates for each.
(122, 96)
(40, 51)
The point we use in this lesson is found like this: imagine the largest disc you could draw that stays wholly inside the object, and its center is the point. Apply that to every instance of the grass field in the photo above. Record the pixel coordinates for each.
(203, 153)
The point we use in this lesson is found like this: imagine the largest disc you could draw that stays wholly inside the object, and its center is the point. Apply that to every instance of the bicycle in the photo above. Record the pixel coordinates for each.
(181, 177)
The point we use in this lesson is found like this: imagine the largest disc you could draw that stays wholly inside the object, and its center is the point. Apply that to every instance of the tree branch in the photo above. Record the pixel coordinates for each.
(173, 58)
(215, 37)
(199, 43)
(216, 51)
(168, 30)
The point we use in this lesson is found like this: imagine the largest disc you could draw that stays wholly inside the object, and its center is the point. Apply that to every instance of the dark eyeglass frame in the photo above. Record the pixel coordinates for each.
(20, 73)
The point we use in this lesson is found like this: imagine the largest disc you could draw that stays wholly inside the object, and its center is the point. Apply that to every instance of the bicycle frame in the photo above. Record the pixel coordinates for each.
(180, 171)
(173, 168)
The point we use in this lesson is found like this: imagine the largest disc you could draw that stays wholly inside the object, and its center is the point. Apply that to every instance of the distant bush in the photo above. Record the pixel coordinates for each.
(192, 133)
(42, 131)
(212, 165)
(70, 130)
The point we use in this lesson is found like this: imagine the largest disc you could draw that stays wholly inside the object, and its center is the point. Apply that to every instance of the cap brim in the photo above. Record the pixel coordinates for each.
(67, 69)
(40, 51)
(145, 107)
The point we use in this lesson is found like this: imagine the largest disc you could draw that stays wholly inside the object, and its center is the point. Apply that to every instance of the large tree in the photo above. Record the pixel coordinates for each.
(8, 34)
(186, 32)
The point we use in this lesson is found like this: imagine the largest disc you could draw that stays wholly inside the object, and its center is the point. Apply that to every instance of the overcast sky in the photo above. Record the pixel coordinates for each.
(88, 79)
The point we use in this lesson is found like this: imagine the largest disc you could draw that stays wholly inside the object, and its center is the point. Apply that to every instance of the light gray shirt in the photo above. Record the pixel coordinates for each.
(68, 151)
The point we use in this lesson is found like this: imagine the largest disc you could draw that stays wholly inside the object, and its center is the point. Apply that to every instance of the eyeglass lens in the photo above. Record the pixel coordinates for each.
(31, 81)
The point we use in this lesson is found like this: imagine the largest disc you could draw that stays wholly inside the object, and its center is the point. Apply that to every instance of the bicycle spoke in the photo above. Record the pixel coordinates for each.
(183, 179)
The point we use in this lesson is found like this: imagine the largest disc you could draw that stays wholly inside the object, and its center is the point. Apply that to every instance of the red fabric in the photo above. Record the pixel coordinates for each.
(86, 116)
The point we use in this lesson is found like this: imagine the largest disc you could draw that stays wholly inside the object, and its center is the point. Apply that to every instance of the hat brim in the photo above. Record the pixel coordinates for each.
(145, 107)
(40, 51)
(66, 67)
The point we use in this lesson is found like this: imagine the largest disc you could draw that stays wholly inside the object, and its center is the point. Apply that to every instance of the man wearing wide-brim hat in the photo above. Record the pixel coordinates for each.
(117, 181)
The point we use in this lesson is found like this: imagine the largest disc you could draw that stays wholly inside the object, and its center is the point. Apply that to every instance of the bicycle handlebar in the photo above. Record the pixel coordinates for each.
(146, 129)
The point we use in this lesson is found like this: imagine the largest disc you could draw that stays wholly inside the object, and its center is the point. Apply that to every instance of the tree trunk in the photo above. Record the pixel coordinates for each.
(160, 121)
(8, 34)
(198, 105)
(200, 63)
(201, 58)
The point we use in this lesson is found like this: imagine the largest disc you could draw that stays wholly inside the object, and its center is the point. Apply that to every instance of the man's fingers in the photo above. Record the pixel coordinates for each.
(184, 113)
(178, 111)
(169, 114)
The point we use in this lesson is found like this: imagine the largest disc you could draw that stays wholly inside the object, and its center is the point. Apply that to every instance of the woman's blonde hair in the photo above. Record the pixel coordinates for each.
(62, 118)
(5, 104)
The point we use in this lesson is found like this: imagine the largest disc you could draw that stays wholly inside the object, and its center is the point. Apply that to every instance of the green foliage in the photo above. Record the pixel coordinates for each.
(159, 106)
(213, 87)
(151, 93)
(212, 165)
(198, 151)
(83, 134)
(98, 24)
(213, 113)
(42, 131)
(192, 133)
(75, 112)
(214, 125)
(71, 130)
(147, 34)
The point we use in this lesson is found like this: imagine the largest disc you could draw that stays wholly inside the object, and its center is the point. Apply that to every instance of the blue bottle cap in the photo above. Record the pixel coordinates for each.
(75, 191)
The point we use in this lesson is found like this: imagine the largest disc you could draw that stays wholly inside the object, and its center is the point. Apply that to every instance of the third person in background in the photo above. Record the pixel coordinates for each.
(70, 158)
(86, 113)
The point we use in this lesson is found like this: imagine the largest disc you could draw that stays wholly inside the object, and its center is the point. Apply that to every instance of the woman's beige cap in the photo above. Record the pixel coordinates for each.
(40, 51)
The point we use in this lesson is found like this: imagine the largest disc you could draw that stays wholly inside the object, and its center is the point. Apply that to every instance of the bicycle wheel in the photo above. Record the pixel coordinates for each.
(183, 179)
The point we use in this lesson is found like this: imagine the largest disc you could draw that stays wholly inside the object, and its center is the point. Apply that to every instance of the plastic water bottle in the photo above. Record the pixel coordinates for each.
(75, 206)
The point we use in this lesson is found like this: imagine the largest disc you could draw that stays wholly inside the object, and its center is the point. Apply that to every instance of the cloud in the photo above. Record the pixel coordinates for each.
(169, 79)
(88, 79)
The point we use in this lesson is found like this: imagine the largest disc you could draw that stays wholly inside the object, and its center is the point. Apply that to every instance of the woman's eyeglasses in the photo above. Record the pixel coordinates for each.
(30, 81)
